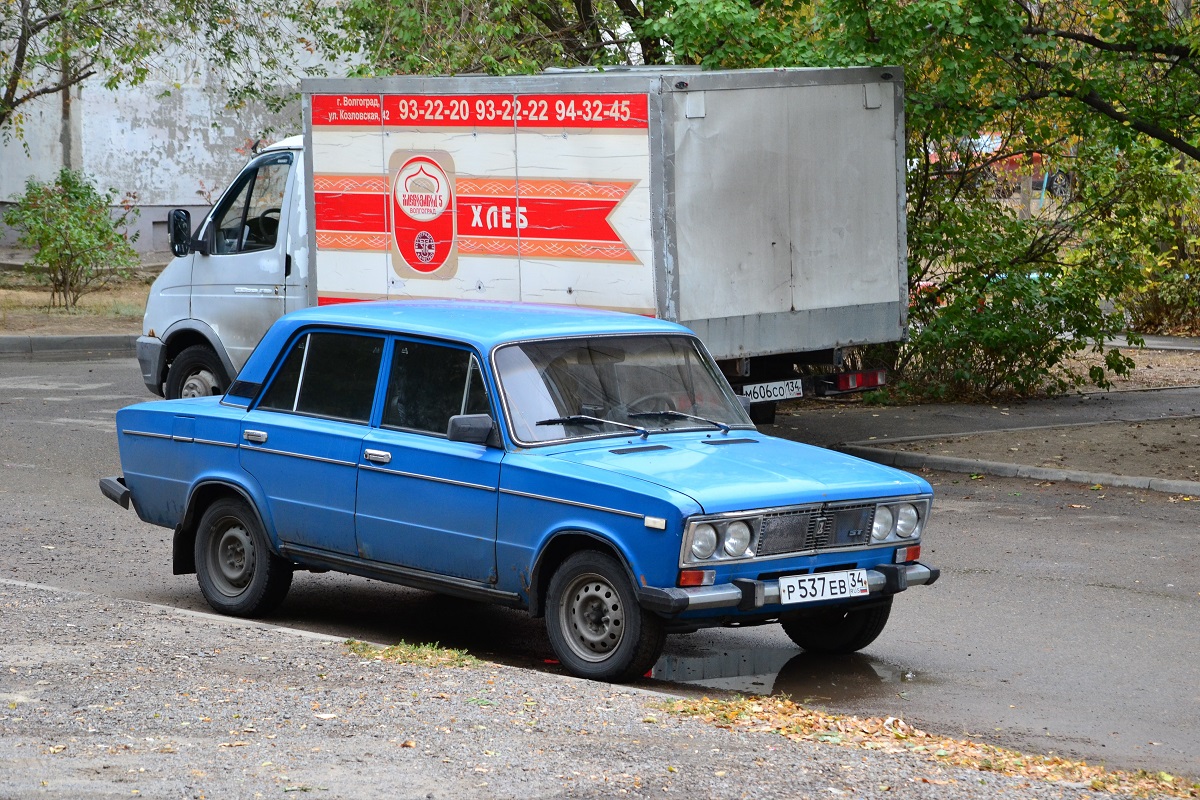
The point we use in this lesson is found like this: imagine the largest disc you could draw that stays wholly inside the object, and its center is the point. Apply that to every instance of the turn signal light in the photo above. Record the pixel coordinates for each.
(906, 554)
(697, 577)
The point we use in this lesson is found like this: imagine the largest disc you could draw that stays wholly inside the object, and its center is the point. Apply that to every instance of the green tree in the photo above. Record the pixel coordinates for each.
(1007, 290)
(79, 245)
(47, 46)
(502, 36)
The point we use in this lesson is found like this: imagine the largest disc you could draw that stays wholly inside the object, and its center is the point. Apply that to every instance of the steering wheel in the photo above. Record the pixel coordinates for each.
(655, 401)
(268, 222)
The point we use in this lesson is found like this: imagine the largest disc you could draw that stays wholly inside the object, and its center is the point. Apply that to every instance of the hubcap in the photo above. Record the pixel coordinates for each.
(232, 560)
(199, 384)
(593, 618)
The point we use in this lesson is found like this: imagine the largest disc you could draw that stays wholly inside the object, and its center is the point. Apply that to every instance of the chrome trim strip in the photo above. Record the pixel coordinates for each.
(726, 595)
(173, 438)
(577, 504)
(334, 461)
(433, 478)
(147, 434)
(215, 443)
(800, 507)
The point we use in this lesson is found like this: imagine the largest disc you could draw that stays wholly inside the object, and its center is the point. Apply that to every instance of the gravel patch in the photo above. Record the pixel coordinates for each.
(101, 697)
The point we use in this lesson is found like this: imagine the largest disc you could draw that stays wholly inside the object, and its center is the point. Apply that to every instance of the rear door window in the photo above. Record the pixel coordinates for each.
(327, 374)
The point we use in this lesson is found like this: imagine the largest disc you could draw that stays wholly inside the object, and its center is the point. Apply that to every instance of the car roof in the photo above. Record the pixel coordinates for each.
(481, 324)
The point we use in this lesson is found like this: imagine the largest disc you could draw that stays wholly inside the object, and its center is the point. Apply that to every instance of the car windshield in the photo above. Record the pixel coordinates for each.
(613, 386)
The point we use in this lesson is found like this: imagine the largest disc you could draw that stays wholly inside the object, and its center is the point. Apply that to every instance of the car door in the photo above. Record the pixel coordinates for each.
(425, 502)
(303, 438)
(238, 286)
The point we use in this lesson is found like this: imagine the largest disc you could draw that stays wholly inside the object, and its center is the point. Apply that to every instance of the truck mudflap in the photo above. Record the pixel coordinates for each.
(745, 594)
(114, 489)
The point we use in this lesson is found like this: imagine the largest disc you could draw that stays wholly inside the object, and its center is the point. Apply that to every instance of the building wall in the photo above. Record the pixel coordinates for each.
(170, 141)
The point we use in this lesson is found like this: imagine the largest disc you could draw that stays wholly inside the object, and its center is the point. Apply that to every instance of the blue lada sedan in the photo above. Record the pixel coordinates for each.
(593, 468)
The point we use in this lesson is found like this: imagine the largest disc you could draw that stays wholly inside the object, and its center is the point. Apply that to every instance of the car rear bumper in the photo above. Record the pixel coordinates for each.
(751, 595)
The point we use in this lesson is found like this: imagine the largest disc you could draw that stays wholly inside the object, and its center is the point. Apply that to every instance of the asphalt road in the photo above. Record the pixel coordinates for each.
(1065, 619)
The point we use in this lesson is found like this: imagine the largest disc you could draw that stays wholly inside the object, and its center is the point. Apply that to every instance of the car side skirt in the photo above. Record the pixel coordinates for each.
(416, 579)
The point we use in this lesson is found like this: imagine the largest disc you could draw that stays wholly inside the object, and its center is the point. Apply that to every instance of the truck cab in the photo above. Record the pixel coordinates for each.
(246, 266)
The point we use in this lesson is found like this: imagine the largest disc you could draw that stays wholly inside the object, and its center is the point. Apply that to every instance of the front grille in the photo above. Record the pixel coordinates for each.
(815, 529)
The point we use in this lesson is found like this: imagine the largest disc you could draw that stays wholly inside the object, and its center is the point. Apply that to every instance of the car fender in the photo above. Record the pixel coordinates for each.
(556, 547)
(198, 498)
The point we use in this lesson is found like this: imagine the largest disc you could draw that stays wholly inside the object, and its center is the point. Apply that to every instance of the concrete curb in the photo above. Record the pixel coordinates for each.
(905, 460)
(67, 348)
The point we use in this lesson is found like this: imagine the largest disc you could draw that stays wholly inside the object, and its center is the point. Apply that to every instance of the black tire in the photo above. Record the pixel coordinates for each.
(596, 627)
(838, 630)
(196, 372)
(763, 413)
(237, 572)
(1059, 185)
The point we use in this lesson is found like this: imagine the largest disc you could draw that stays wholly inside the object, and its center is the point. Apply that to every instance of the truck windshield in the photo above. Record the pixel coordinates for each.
(612, 385)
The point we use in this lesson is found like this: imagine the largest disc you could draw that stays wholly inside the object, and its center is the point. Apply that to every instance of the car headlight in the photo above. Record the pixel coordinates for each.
(737, 539)
(907, 520)
(882, 527)
(704, 541)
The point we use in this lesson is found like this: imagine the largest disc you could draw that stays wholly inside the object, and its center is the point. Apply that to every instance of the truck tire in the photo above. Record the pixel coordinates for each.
(838, 630)
(596, 627)
(237, 572)
(763, 413)
(196, 372)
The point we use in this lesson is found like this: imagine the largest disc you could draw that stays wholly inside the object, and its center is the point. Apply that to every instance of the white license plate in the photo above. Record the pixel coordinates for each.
(823, 586)
(782, 390)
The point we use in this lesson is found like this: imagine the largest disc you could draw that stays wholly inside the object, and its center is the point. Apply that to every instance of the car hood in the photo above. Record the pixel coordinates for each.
(748, 470)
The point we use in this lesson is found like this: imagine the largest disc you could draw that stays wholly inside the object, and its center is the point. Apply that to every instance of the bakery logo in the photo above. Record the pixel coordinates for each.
(422, 190)
(423, 214)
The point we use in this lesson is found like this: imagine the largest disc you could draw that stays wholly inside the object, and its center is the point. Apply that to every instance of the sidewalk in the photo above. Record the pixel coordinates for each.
(1094, 427)
(67, 348)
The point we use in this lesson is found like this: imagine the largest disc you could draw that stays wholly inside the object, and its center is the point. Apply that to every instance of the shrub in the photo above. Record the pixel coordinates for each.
(80, 244)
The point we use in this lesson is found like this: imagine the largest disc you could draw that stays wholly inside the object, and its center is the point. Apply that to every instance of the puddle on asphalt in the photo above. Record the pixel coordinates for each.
(805, 677)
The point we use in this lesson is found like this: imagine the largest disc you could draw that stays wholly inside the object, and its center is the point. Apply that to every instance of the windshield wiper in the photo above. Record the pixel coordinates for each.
(680, 415)
(584, 419)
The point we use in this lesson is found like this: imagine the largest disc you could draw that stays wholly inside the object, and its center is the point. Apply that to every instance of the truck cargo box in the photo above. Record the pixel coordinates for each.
(762, 208)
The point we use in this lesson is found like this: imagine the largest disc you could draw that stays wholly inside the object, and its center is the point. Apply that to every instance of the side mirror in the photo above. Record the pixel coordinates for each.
(470, 428)
(179, 232)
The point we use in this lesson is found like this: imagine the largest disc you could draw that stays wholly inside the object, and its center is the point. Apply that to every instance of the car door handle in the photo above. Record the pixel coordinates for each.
(377, 456)
(258, 437)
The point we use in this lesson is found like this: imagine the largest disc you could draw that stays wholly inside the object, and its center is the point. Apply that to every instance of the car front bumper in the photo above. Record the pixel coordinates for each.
(151, 355)
(752, 595)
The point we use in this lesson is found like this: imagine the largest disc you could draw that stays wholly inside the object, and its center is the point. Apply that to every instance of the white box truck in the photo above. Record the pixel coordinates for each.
(762, 208)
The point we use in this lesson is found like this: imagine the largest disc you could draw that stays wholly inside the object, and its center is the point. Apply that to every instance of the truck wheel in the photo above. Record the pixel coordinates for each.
(237, 572)
(596, 627)
(838, 630)
(195, 372)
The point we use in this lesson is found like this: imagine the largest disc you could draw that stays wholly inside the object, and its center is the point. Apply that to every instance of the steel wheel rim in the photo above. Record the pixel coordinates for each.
(202, 383)
(593, 618)
(231, 560)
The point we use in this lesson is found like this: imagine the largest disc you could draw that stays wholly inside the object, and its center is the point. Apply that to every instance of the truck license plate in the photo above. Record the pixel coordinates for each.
(823, 586)
(781, 390)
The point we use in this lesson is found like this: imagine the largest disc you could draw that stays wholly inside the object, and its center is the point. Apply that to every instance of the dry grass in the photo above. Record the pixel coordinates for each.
(25, 308)
(892, 735)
